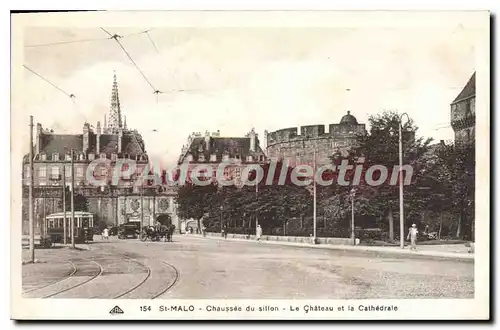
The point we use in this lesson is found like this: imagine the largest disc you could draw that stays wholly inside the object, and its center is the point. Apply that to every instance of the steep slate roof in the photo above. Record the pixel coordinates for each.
(468, 91)
(62, 143)
(220, 146)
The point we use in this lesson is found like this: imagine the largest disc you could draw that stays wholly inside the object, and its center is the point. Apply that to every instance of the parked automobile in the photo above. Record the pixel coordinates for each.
(113, 231)
(128, 230)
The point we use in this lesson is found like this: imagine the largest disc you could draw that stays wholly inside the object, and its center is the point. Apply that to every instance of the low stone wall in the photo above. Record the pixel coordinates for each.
(291, 239)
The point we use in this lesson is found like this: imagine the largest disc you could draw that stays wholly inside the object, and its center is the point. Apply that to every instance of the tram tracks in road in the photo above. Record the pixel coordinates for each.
(148, 277)
(75, 273)
(174, 282)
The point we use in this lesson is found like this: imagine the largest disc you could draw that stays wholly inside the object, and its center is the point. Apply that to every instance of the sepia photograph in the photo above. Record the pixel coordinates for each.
(250, 165)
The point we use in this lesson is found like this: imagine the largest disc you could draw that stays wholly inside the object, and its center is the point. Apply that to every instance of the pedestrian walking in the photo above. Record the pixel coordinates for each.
(258, 232)
(412, 237)
(105, 233)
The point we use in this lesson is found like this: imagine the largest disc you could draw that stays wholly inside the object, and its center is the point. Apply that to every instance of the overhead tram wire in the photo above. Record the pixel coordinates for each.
(70, 95)
(116, 37)
(57, 43)
(158, 52)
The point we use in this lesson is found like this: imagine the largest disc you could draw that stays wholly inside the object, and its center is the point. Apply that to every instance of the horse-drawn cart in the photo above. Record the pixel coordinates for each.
(156, 233)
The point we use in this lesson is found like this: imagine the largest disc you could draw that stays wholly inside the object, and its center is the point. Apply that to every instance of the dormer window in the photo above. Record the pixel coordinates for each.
(68, 157)
(82, 157)
(237, 157)
(91, 156)
(113, 157)
(55, 157)
(261, 158)
(249, 158)
(103, 156)
(213, 157)
(43, 156)
(225, 157)
(201, 158)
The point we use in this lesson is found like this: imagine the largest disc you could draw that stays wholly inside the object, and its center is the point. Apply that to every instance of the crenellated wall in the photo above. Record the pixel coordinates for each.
(298, 146)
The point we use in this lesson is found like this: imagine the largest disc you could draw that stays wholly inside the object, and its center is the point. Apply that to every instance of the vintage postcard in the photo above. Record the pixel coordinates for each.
(316, 165)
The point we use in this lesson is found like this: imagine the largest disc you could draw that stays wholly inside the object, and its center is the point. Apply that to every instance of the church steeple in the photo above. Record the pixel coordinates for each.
(115, 117)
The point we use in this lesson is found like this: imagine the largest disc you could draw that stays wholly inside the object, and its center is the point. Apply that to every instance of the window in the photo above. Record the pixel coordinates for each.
(225, 157)
(238, 172)
(103, 156)
(79, 171)
(42, 172)
(261, 158)
(43, 156)
(67, 170)
(249, 158)
(91, 156)
(201, 158)
(68, 157)
(468, 135)
(82, 157)
(126, 156)
(54, 171)
(104, 171)
(468, 108)
(113, 157)
(213, 157)
(55, 157)
(190, 158)
(237, 156)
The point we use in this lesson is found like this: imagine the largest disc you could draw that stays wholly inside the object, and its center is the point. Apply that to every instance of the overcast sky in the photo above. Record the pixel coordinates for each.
(238, 78)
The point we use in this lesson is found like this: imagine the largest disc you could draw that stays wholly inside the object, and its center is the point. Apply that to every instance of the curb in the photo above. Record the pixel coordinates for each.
(388, 250)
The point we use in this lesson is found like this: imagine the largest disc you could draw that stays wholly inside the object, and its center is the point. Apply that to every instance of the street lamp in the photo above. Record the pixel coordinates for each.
(401, 208)
(353, 234)
(221, 226)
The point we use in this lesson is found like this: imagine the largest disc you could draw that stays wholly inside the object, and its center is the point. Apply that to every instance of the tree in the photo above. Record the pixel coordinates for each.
(81, 202)
(194, 201)
(379, 147)
(452, 178)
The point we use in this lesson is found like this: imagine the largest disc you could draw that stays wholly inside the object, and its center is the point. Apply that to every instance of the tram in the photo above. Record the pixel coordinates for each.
(83, 229)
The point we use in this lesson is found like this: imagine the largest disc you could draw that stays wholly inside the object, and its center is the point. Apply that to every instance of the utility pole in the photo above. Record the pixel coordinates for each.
(30, 198)
(142, 204)
(401, 207)
(65, 240)
(353, 233)
(72, 225)
(257, 202)
(314, 197)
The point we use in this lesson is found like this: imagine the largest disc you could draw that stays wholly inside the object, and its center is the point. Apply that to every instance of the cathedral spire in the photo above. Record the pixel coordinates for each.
(125, 122)
(115, 120)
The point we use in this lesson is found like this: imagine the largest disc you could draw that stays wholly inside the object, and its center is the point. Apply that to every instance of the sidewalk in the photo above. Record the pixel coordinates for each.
(455, 251)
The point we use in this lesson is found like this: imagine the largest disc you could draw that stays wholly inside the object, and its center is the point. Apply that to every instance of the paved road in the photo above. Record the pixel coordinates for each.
(192, 267)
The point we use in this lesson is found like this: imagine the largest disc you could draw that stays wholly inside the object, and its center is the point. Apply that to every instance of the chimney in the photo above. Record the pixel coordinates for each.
(98, 138)
(252, 136)
(86, 137)
(38, 140)
(207, 141)
(120, 138)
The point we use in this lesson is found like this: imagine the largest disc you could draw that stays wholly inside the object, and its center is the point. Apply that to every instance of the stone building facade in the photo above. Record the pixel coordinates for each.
(298, 146)
(211, 150)
(463, 113)
(112, 203)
